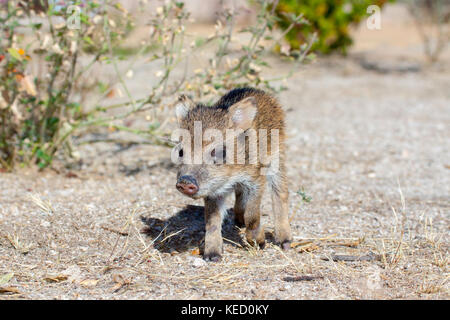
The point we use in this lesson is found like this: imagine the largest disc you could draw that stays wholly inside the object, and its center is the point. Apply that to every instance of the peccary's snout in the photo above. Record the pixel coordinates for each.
(187, 185)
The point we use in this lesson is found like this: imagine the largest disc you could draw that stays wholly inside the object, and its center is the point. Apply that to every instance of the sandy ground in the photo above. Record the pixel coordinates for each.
(371, 150)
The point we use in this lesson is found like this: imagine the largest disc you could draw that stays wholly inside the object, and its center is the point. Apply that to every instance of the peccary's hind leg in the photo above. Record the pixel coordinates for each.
(278, 188)
(254, 232)
(240, 205)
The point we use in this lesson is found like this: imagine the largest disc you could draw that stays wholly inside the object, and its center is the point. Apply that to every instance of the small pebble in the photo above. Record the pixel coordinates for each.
(198, 262)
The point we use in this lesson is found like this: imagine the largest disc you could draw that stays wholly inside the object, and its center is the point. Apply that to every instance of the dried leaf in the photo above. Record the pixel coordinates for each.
(117, 287)
(97, 19)
(9, 290)
(70, 174)
(195, 252)
(58, 278)
(89, 282)
(57, 49)
(120, 282)
(308, 248)
(59, 25)
(3, 103)
(28, 86)
(117, 278)
(285, 49)
(111, 93)
(299, 243)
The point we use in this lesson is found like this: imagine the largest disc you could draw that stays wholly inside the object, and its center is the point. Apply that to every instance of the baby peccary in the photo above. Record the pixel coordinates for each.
(251, 155)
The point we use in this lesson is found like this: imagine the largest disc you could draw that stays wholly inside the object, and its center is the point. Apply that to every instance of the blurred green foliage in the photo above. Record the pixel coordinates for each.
(39, 110)
(62, 71)
(331, 20)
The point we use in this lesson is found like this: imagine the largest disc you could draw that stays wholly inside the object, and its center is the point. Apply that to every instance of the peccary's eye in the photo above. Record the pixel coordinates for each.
(180, 153)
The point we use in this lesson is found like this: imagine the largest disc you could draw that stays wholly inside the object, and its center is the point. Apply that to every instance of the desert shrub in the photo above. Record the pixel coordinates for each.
(50, 67)
(432, 18)
(330, 19)
(41, 78)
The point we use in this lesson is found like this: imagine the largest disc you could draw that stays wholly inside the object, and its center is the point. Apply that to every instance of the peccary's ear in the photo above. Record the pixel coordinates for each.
(242, 114)
(183, 106)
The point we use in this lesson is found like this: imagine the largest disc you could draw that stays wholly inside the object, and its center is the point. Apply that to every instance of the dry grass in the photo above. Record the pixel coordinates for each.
(115, 256)
(372, 155)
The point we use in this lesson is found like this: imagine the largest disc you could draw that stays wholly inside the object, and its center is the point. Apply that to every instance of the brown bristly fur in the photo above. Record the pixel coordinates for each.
(241, 109)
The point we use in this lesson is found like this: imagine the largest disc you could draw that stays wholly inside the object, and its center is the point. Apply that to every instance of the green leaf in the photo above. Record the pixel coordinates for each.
(84, 19)
(199, 42)
(311, 56)
(37, 26)
(102, 87)
(43, 158)
(75, 106)
(15, 54)
(88, 40)
(154, 126)
(304, 196)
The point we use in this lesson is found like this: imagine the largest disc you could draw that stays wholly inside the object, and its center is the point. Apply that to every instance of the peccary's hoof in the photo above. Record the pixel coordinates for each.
(212, 257)
(253, 243)
(286, 245)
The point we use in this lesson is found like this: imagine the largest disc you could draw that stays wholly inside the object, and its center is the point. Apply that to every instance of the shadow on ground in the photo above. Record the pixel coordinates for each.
(186, 230)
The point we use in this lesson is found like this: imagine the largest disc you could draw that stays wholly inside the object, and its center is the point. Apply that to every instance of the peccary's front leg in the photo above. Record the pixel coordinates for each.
(213, 234)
